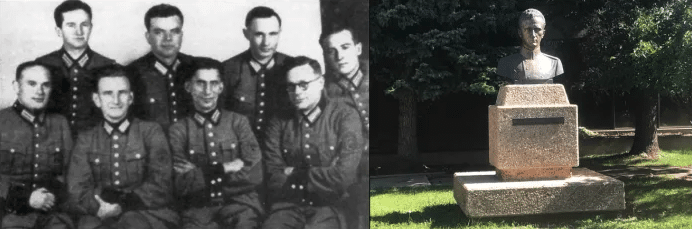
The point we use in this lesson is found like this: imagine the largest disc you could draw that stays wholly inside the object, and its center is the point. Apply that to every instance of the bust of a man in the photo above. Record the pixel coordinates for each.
(530, 66)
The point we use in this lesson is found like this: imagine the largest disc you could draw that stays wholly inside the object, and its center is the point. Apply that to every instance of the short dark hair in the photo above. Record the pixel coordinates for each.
(303, 60)
(336, 28)
(162, 10)
(205, 63)
(261, 12)
(29, 64)
(68, 6)
(113, 70)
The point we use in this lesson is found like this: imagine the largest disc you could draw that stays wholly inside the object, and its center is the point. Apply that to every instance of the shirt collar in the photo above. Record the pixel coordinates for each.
(32, 117)
(212, 116)
(121, 127)
(256, 66)
(163, 69)
(81, 60)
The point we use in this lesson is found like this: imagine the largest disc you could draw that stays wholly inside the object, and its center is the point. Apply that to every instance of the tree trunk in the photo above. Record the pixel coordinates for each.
(408, 141)
(645, 133)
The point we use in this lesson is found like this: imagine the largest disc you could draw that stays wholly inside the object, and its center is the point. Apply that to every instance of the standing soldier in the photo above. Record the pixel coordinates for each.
(311, 153)
(33, 152)
(217, 158)
(73, 64)
(120, 173)
(158, 76)
(347, 77)
(254, 80)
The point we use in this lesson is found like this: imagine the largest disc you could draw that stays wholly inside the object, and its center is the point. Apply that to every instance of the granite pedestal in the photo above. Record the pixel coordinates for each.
(483, 194)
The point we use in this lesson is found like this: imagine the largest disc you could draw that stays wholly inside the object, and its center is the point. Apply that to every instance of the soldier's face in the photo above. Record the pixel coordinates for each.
(205, 87)
(304, 87)
(165, 36)
(531, 32)
(263, 35)
(34, 87)
(114, 97)
(75, 29)
(341, 52)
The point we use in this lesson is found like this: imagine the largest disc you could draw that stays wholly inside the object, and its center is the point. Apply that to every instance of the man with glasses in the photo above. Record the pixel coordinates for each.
(217, 160)
(74, 63)
(120, 172)
(34, 146)
(347, 77)
(311, 153)
(158, 76)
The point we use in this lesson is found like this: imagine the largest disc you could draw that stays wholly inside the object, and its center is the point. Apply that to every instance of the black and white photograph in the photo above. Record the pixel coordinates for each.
(184, 114)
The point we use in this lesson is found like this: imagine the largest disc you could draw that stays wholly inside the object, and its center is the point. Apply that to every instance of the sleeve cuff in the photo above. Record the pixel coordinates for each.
(18, 199)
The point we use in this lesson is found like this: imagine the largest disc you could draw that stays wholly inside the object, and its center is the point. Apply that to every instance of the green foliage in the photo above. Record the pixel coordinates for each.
(438, 47)
(642, 46)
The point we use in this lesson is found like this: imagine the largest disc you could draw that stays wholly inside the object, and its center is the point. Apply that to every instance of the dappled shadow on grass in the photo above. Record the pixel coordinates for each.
(409, 190)
(647, 197)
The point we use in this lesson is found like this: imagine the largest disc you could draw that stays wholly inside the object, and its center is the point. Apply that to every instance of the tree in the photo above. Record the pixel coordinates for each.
(424, 49)
(640, 49)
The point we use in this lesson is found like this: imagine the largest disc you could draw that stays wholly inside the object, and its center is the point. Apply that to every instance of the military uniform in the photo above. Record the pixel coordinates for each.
(255, 90)
(208, 193)
(324, 147)
(515, 70)
(33, 153)
(72, 87)
(356, 92)
(129, 164)
(159, 89)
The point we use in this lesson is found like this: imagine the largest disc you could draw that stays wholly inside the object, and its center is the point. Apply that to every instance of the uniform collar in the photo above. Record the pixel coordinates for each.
(33, 117)
(81, 60)
(256, 66)
(122, 127)
(312, 115)
(353, 81)
(164, 69)
(212, 116)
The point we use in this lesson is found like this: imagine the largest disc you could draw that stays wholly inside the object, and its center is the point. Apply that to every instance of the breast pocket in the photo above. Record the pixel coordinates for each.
(197, 156)
(9, 152)
(134, 164)
(243, 102)
(55, 156)
(99, 165)
(230, 150)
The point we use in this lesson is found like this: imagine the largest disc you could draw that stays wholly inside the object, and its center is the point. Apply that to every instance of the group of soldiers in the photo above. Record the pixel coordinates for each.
(262, 139)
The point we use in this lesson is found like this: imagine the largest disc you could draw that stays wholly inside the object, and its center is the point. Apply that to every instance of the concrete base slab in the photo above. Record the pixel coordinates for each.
(482, 194)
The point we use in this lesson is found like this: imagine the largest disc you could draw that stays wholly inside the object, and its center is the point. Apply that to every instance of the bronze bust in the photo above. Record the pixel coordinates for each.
(530, 66)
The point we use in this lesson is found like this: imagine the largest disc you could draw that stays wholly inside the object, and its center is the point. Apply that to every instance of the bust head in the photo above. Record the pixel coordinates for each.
(531, 28)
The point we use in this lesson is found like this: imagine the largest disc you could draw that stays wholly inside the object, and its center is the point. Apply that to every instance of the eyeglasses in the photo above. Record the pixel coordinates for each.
(291, 87)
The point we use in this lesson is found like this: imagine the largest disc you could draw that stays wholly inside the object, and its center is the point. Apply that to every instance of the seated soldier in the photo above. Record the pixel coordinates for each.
(120, 172)
(217, 158)
(311, 153)
(33, 148)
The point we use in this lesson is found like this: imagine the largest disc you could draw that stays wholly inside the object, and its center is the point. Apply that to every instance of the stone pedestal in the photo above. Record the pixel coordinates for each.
(534, 146)
(483, 194)
(533, 133)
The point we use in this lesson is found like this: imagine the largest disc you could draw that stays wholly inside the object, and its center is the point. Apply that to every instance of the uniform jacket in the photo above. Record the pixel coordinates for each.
(159, 90)
(255, 93)
(324, 147)
(72, 87)
(130, 166)
(33, 154)
(355, 91)
(208, 143)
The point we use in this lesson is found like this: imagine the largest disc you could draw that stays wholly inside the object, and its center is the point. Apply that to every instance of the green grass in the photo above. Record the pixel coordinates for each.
(657, 201)
(667, 158)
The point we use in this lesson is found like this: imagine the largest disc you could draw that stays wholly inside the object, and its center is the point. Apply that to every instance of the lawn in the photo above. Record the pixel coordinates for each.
(658, 195)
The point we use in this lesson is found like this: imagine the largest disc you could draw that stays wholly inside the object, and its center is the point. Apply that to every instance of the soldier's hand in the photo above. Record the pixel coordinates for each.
(288, 171)
(107, 210)
(183, 166)
(41, 199)
(233, 166)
